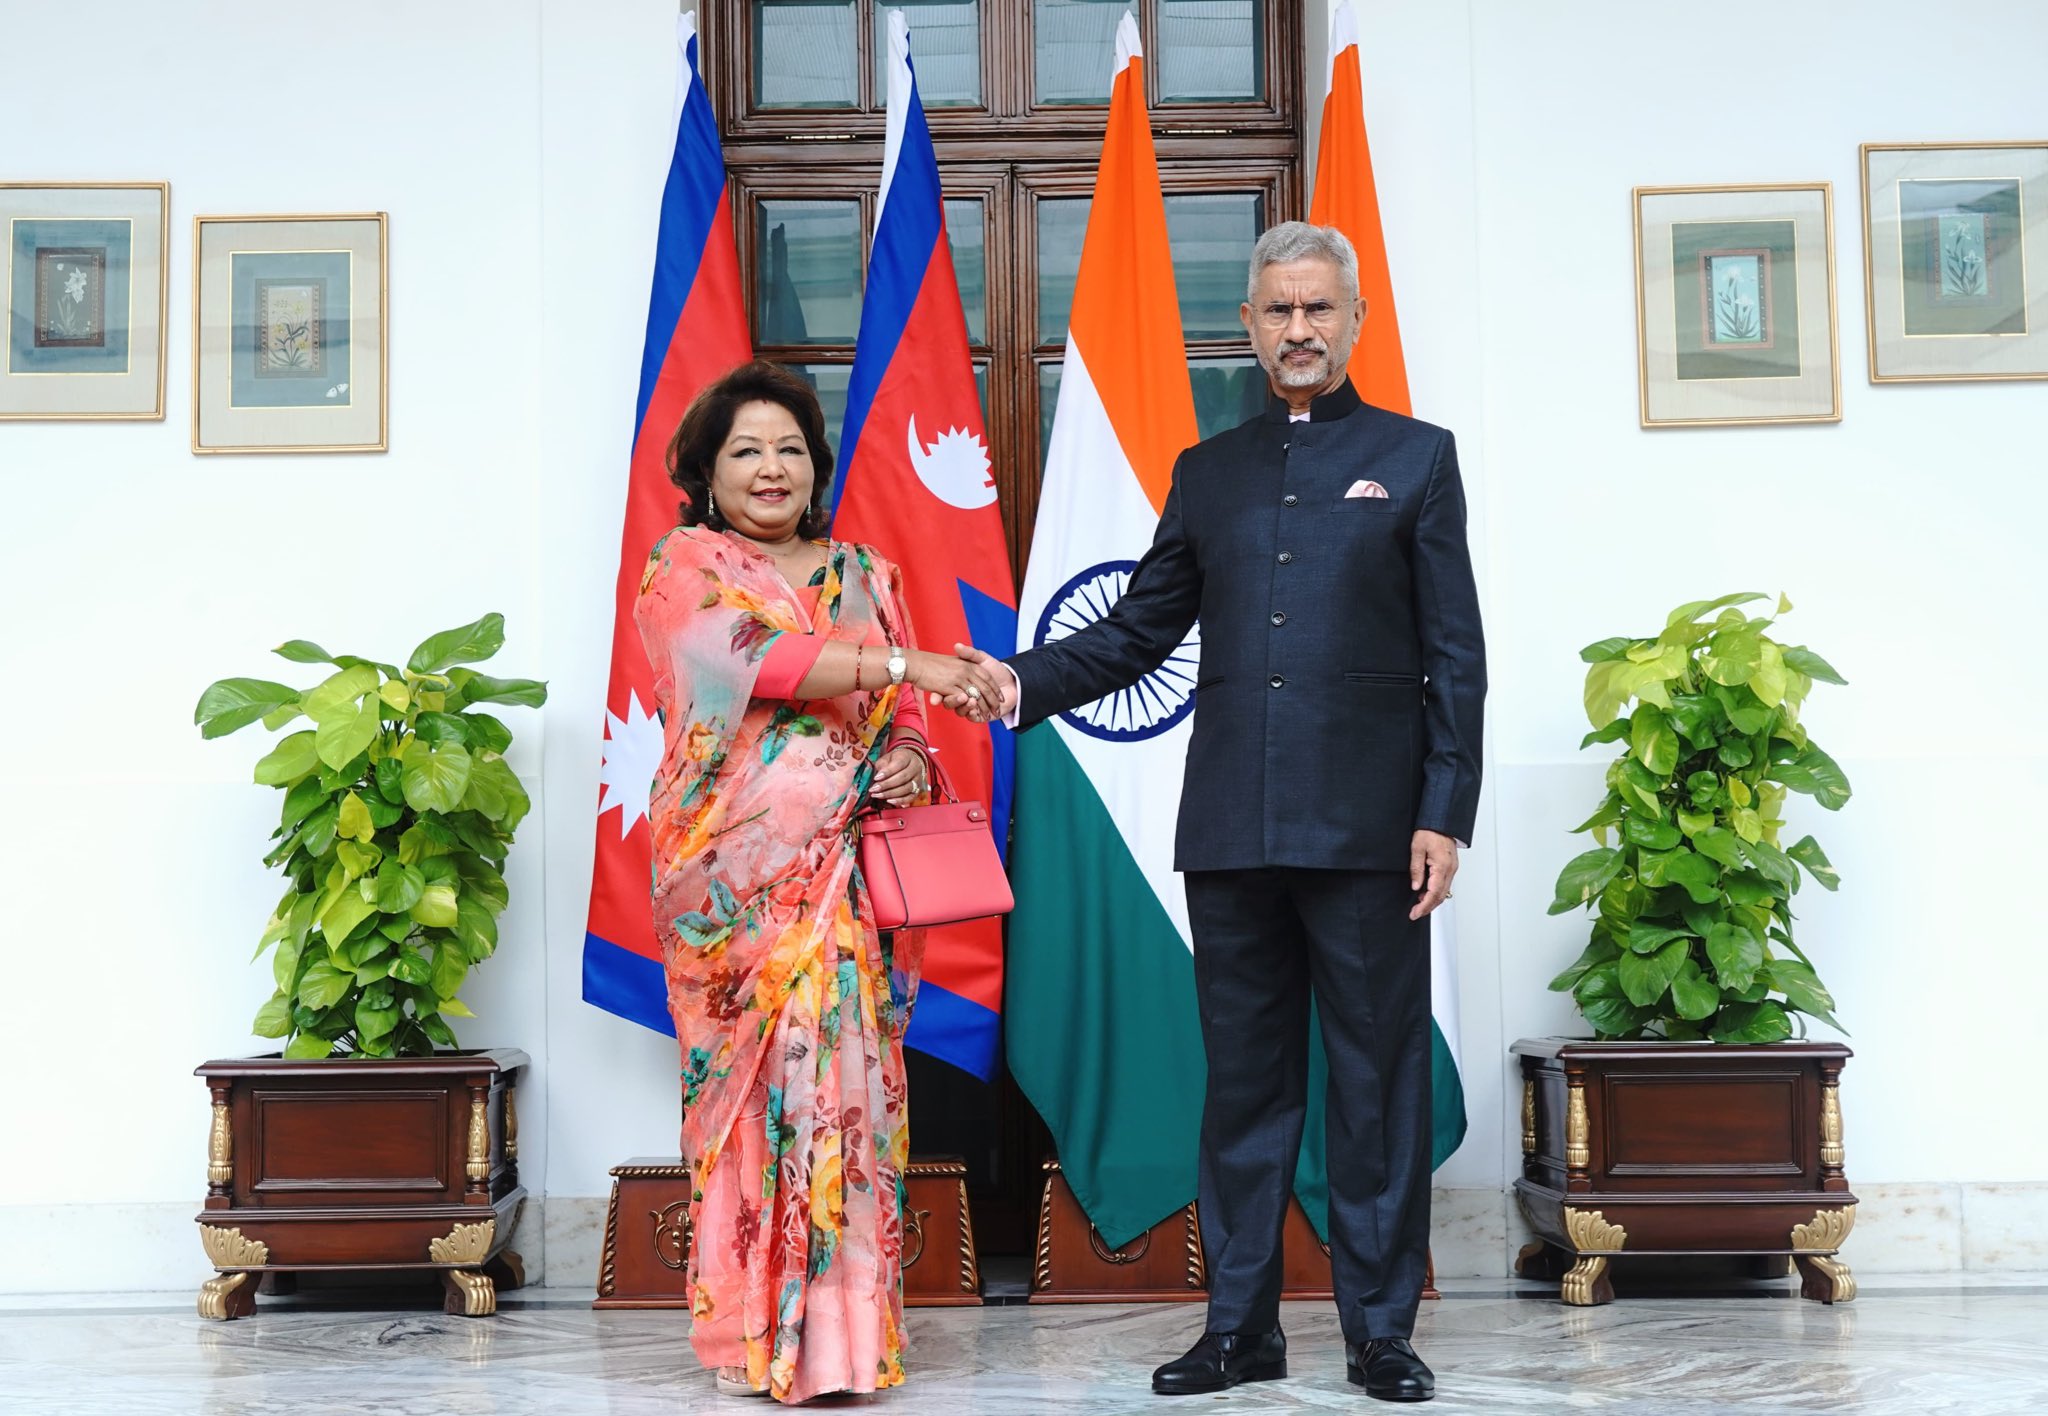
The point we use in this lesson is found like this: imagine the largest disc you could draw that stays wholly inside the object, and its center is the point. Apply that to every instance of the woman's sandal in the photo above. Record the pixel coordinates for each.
(732, 1381)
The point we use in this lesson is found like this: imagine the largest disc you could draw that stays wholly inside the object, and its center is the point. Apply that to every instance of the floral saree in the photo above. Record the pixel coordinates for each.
(789, 1007)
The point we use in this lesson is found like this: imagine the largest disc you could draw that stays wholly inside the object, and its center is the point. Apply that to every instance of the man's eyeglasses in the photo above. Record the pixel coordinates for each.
(1320, 313)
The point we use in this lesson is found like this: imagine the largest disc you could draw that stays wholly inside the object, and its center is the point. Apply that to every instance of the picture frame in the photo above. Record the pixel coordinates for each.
(1735, 305)
(84, 305)
(1955, 260)
(290, 333)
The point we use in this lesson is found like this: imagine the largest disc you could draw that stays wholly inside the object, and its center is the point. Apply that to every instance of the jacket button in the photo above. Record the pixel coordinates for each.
(1290, 500)
(1287, 558)
(1279, 617)
(1277, 681)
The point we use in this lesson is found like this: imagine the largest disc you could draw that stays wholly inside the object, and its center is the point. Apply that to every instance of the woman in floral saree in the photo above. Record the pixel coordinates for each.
(789, 689)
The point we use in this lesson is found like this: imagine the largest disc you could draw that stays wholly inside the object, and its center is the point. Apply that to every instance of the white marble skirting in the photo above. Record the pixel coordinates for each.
(1900, 1228)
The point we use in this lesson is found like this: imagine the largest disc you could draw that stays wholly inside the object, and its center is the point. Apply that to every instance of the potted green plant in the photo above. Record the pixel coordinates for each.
(1700, 1118)
(373, 1140)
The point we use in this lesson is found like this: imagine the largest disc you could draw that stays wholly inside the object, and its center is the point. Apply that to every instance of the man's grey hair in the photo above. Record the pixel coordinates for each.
(1294, 240)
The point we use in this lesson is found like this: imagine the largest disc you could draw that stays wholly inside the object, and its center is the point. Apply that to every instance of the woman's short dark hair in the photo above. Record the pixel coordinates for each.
(707, 423)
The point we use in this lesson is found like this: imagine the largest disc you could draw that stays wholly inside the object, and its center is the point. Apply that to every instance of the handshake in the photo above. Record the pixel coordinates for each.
(977, 686)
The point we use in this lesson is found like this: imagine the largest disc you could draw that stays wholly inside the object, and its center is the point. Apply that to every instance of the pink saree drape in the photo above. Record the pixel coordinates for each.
(789, 1007)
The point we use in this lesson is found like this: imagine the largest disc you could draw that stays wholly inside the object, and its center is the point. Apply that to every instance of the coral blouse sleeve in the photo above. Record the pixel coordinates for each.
(790, 660)
(910, 713)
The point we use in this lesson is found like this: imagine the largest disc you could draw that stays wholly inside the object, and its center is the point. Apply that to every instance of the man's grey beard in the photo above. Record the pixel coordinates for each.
(1313, 376)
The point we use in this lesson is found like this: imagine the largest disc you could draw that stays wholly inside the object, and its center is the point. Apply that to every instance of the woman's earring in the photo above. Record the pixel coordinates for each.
(710, 505)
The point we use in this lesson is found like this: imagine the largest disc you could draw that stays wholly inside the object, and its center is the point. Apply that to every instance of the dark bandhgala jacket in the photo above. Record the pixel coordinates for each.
(1343, 669)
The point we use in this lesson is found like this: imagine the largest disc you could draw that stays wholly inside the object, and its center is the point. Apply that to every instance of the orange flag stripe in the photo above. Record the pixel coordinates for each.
(1126, 316)
(1346, 198)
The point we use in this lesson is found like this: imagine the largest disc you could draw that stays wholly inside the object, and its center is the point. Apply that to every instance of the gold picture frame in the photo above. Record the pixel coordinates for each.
(1955, 260)
(85, 300)
(1735, 305)
(291, 333)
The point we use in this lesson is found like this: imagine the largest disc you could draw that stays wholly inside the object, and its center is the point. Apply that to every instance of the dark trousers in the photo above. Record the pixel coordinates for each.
(1262, 937)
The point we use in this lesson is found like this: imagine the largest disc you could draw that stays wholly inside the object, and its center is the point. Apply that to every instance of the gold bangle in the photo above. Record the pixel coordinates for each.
(858, 650)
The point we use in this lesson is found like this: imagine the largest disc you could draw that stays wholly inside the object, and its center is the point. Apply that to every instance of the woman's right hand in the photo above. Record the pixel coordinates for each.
(954, 679)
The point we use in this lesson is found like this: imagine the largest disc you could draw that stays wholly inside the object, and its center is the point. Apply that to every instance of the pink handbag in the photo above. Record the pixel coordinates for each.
(932, 865)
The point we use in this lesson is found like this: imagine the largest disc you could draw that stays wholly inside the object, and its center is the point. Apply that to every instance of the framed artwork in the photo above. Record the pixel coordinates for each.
(1955, 260)
(84, 298)
(1735, 305)
(289, 317)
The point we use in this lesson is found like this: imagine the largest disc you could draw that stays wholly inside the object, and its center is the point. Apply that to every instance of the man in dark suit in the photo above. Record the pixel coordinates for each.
(1332, 771)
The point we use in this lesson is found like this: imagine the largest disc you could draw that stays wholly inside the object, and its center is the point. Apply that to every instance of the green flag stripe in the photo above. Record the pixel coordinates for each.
(1102, 1031)
(1447, 1100)
(1447, 1122)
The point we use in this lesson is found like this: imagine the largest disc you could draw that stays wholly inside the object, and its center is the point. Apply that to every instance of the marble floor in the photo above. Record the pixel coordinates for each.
(1947, 1343)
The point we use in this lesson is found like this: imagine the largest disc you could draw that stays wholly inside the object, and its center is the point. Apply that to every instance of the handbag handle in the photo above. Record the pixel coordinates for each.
(883, 821)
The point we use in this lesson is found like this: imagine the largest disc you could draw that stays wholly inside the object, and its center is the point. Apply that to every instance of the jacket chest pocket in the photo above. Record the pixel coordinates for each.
(1365, 506)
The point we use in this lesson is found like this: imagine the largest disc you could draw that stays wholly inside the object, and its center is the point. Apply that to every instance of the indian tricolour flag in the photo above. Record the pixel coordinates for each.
(1345, 197)
(1103, 1034)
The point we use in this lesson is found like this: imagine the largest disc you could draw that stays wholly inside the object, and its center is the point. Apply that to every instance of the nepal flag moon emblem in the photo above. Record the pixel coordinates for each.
(955, 468)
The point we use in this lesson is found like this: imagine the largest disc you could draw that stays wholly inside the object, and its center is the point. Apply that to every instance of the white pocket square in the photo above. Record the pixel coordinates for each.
(1365, 489)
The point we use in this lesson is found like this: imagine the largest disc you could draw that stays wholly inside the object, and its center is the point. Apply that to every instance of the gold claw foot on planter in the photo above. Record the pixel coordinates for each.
(469, 1294)
(1587, 1283)
(1823, 1277)
(227, 1296)
(464, 1244)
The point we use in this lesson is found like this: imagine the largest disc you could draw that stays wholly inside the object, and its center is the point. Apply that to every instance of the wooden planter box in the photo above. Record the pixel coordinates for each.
(1682, 1148)
(647, 1236)
(407, 1163)
(1165, 1264)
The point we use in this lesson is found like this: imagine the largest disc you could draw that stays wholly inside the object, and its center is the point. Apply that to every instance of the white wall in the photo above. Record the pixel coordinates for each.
(135, 573)
(519, 149)
(1905, 535)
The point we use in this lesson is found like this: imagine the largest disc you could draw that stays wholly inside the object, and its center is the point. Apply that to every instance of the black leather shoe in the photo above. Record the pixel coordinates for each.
(1222, 1360)
(1389, 1370)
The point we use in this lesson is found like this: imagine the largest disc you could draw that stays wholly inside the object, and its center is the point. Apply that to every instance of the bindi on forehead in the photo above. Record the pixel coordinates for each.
(763, 419)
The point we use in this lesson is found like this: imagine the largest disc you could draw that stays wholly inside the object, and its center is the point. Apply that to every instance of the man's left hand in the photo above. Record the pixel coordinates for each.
(1432, 863)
